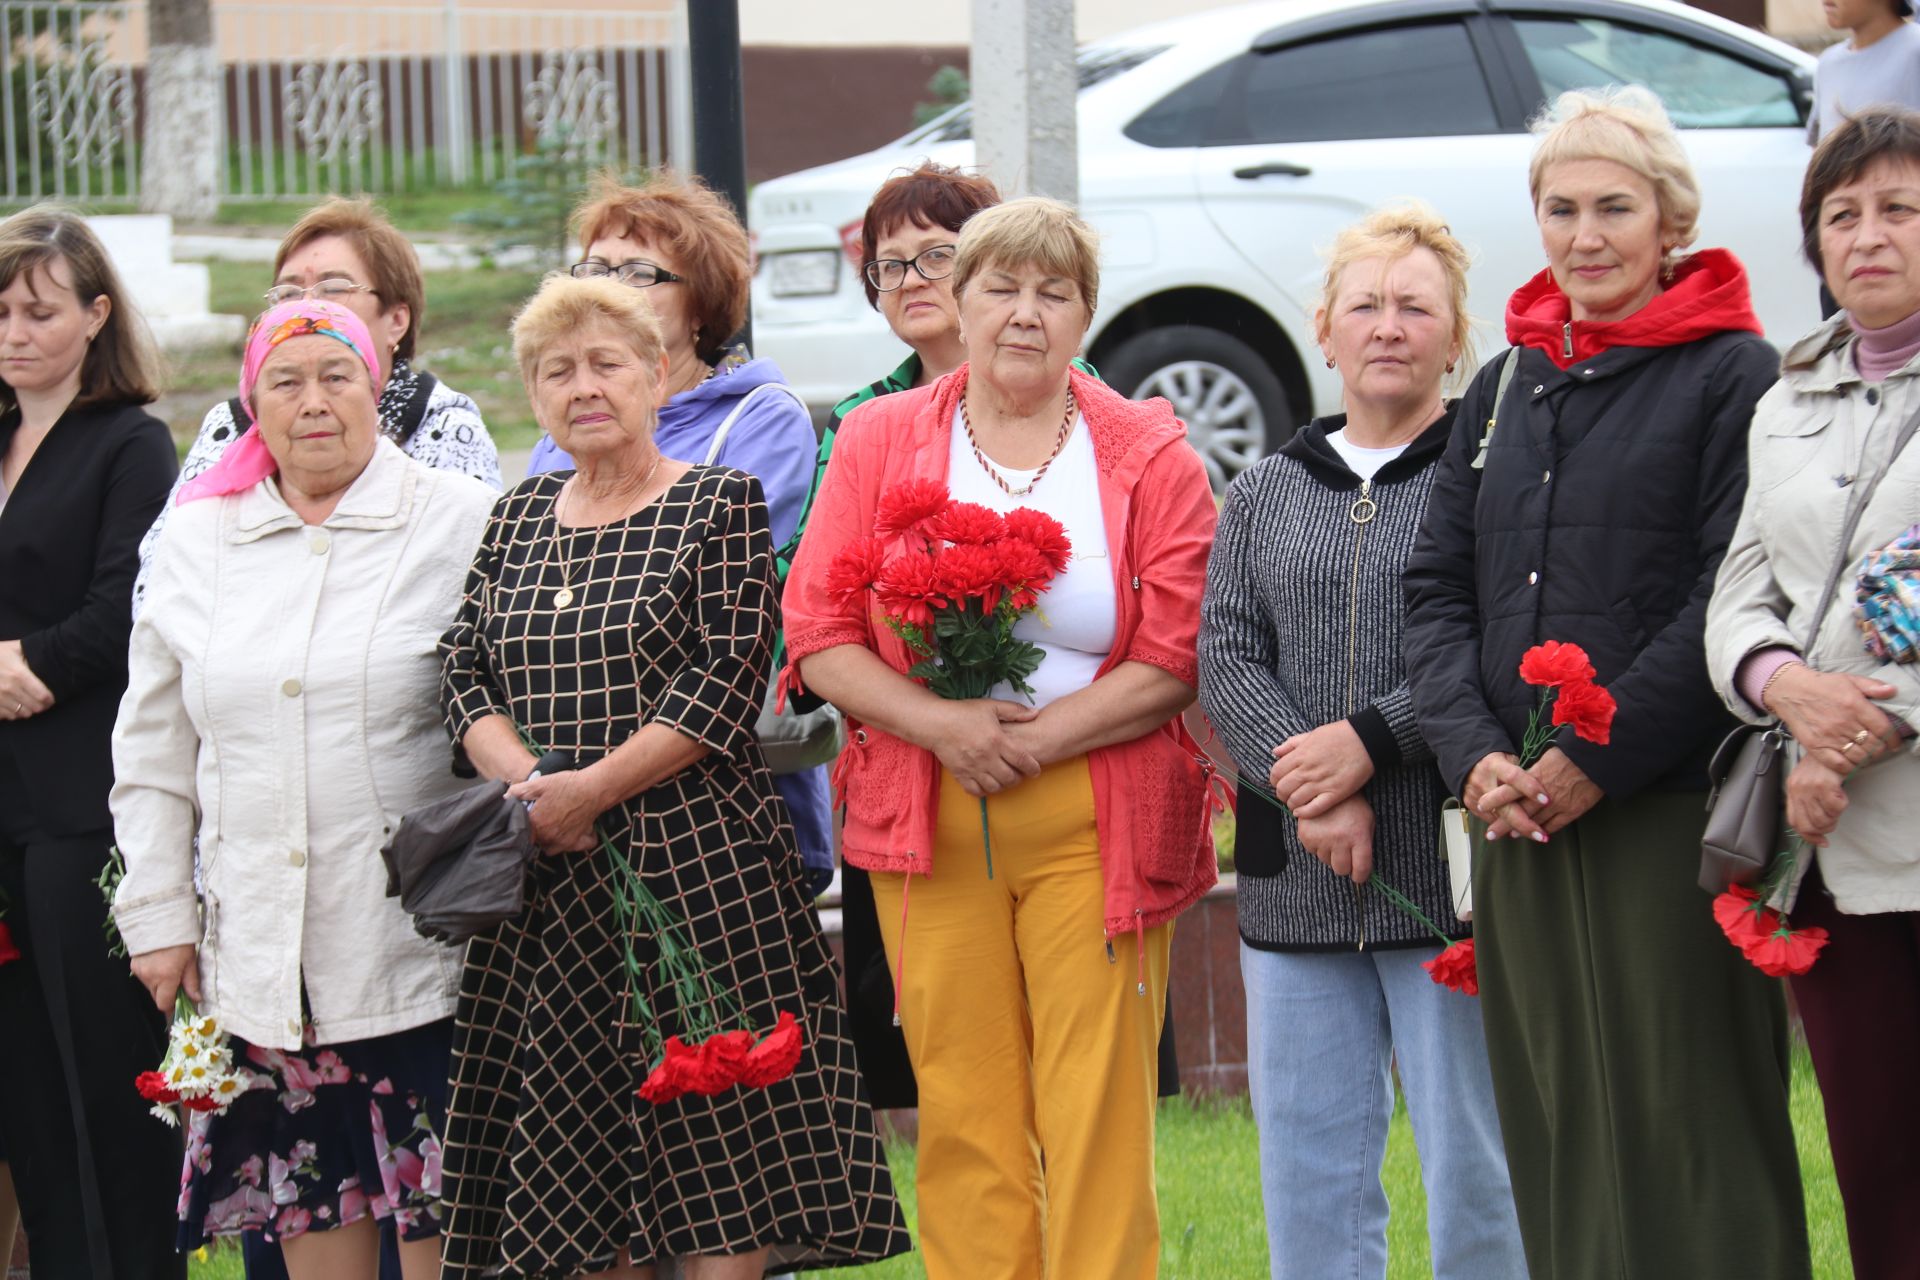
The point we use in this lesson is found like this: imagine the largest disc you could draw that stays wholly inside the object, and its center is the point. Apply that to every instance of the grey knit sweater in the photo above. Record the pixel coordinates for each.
(1293, 586)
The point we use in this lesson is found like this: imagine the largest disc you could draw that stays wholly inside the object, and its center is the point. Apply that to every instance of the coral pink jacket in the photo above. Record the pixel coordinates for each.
(1151, 795)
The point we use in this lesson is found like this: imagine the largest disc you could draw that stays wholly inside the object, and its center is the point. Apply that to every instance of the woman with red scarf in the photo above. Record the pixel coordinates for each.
(1588, 495)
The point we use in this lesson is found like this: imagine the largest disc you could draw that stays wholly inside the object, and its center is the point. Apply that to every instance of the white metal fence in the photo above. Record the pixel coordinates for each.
(337, 96)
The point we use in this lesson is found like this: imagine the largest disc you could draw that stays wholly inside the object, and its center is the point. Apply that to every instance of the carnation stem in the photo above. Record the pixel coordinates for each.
(986, 836)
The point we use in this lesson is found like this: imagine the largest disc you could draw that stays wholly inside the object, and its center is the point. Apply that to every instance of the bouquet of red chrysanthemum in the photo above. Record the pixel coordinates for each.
(952, 580)
(1765, 936)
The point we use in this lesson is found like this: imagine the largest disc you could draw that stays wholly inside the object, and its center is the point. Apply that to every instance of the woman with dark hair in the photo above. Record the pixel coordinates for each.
(83, 471)
(1832, 424)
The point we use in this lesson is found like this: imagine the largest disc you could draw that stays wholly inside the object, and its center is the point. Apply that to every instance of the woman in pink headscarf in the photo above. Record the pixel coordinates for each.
(281, 709)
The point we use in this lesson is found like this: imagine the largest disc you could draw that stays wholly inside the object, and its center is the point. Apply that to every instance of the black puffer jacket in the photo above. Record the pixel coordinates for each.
(1610, 491)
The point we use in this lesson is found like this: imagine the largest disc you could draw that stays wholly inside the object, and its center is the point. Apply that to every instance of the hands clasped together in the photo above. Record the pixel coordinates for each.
(1840, 731)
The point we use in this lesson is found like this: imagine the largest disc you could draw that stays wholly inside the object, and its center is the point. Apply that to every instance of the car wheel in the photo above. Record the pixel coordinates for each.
(1235, 408)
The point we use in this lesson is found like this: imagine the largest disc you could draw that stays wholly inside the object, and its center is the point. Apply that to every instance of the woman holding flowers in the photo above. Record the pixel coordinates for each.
(1591, 504)
(1302, 677)
(1820, 437)
(83, 469)
(281, 709)
(1030, 839)
(624, 612)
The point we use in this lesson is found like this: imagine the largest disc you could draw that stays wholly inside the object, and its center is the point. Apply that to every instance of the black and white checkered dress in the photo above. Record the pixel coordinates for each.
(552, 1163)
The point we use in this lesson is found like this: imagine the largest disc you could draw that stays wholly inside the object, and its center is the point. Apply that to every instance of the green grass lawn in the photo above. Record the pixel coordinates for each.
(464, 343)
(1212, 1228)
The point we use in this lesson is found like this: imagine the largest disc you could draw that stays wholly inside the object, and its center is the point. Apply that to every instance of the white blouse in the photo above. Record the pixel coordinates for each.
(282, 706)
(1075, 622)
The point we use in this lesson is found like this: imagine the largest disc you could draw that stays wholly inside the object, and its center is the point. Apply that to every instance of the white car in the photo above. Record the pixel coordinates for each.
(1219, 153)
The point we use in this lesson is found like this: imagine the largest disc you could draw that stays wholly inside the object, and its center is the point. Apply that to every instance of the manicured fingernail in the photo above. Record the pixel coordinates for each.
(1542, 798)
(1540, 836)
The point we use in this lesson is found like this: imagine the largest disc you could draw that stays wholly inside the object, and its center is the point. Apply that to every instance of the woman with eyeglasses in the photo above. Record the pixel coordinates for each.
(684, 248)
(347, 252)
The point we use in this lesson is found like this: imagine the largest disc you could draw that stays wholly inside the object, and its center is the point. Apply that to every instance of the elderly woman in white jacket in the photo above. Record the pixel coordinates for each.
(282, 708)
(1833, 430)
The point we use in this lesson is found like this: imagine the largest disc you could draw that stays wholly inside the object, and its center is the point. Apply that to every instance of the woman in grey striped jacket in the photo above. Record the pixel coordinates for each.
(1302, 675)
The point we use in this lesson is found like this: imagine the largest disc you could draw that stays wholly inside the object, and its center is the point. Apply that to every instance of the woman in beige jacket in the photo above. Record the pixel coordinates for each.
(281, 707)
(1822, 434)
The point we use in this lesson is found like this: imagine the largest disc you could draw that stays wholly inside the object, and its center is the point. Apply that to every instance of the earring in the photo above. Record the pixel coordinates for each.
(1329, 364)
(1449, 367)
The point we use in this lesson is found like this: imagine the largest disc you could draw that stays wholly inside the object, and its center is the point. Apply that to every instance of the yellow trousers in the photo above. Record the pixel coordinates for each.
(1034, 1051)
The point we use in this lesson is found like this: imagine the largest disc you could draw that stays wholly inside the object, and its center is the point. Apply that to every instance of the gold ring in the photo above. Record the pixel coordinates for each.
(1860, 738)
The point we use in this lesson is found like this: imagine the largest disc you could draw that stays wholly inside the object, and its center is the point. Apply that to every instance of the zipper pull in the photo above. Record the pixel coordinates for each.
(1566, 337)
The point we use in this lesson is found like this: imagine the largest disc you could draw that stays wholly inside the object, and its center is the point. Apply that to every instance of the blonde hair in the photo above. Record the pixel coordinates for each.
(121, 365)
(1628, 125)
(1394, 232)
(1031, 230)
(563, 305)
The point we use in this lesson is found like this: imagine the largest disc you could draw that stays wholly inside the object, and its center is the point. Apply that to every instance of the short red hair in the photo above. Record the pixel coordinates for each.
(688, 220)
(934, 195)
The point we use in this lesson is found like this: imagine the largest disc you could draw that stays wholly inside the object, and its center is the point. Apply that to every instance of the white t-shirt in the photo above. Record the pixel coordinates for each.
(1362, 461)
(1074, 624)
(1850, 80)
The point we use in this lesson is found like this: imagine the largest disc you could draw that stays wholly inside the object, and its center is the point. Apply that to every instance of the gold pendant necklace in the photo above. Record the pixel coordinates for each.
(564, 596)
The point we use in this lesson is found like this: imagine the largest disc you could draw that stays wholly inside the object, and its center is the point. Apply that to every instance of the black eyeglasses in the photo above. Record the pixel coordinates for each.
(639, 274)
(888, 274)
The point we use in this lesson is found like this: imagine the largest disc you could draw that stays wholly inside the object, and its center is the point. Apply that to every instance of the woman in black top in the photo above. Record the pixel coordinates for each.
(83, 471)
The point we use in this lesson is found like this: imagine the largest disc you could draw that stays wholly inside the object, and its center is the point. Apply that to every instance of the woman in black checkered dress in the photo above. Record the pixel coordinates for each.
(625, 614)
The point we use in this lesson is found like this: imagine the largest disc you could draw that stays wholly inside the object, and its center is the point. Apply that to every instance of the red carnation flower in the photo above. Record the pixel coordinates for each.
(721, 1059)
(775, 1057)
(1024, 572)
(1787, 952)
(1743, 917)
(1553, 664)
(1588, 708)
(968, 524)
(910, 507)
(201, 1104)
(855, 569)
(969, 572)
(1043, 533)
(8, 952)
(154, 1088)
(909, 589)
(1454, 968)
(669, 1080)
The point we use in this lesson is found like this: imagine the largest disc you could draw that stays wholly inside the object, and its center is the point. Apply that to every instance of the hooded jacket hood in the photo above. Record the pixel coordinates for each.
(1708, 295)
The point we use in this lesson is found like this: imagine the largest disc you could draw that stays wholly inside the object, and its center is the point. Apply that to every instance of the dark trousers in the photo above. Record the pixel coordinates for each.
(1639, 1062)
(97, 1177)
(1860, 1005)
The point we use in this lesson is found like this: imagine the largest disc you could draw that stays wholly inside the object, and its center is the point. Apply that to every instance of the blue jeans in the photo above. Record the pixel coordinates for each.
(1323, 1029)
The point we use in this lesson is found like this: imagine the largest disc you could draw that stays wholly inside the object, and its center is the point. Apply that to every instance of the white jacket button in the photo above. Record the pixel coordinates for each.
(290, 687)
(293, 1026)
(298, 857)
(318, 541)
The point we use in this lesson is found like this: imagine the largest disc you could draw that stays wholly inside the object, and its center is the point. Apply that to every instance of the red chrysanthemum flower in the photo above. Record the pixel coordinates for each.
(1043, 533)
(969, 572)
(8, 951)
(775, 1057)
(721, 1058)
(855, 569)
(1743, 917)
(1588, 708)
(1455, 969)
(910, 507)
(154, 1088)
(968, 524)
(1552, 664)
(909, 589)
(1024, 572)
(669, 1080)
(1787, 952)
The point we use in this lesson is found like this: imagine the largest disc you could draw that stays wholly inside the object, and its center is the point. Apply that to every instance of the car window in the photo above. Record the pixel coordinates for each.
(1094, 65)
(1703, 88)
(1415, 80)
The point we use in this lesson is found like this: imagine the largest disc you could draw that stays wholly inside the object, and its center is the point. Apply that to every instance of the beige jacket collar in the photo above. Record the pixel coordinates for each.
(379, 498)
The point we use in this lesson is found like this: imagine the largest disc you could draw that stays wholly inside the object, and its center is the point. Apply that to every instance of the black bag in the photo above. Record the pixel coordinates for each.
(459, 865)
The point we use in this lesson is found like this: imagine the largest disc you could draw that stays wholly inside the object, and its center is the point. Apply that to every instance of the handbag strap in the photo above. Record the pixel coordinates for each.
(726, 423)
(1856, 508)
(1500, 386)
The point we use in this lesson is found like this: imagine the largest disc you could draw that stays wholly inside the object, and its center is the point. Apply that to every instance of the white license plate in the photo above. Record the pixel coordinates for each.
(799, 274)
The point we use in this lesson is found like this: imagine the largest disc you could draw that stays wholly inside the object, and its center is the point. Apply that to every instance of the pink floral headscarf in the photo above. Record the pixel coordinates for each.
(246, 461)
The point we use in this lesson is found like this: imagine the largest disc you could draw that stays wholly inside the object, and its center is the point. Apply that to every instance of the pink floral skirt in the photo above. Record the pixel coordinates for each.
(326, 1137)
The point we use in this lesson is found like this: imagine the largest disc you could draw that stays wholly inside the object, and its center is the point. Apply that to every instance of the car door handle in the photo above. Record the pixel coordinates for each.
(1272, 168)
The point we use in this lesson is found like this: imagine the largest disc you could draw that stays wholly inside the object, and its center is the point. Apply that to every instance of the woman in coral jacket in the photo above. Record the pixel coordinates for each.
(1031, 1000)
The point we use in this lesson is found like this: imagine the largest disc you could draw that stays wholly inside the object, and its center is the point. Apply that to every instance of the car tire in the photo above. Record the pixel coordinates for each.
(1235, 409)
